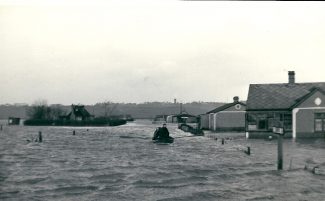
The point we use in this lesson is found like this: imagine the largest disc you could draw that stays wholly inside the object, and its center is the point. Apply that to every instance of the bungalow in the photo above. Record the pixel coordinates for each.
(298, 107)
(229, 117)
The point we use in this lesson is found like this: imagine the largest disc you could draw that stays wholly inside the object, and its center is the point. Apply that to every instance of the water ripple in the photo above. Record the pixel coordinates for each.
(121, 163)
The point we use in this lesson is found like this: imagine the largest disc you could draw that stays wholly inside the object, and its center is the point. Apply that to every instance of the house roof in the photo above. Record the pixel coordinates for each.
(80, 110)
(225, 106)
(279, 96)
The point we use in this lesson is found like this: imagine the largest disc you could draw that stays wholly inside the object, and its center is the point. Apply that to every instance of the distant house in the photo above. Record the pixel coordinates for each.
(78, 113)
(171, 119)
(226, 118)
(182, 118)
(13, 121)
(298, 107)
(159, 119)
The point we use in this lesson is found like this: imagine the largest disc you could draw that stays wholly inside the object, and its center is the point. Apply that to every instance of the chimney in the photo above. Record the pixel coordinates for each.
(236, 99)
(291, 75)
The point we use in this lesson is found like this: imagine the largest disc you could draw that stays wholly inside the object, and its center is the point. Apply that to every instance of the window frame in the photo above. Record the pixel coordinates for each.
(319, 116)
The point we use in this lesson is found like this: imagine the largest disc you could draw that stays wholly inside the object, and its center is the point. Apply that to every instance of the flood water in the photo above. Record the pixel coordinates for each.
(121, 163)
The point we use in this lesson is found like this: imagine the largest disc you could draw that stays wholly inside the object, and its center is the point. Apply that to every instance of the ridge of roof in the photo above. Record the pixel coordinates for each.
(225, 106)
(286, 83)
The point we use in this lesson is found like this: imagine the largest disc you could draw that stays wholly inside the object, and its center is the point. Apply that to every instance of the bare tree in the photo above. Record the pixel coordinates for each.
(108, 107)
(38, 110)
(56, 111)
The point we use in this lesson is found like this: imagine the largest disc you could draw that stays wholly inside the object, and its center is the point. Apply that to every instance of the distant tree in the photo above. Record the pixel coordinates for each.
(108, 107)
(38, 110)
(56, 112)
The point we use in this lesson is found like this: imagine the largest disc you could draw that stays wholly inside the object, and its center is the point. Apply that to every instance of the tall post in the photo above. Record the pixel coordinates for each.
(279, 130)
(280, 152)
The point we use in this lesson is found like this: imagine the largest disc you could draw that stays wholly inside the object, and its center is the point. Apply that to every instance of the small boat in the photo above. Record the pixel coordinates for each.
(164, 140)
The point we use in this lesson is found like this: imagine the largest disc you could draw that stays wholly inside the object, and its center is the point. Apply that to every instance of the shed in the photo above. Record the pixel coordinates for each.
(226, 118)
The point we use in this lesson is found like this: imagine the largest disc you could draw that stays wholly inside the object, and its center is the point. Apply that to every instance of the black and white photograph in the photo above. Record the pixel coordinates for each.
(162, 100)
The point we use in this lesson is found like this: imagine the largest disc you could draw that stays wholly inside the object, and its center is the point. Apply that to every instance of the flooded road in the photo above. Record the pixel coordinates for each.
(121, 163)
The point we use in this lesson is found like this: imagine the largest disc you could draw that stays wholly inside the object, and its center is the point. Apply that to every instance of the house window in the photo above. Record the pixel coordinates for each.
(257, 121)
(262, 124)
(287, 121)
(262, 121)
(251, 122)
(251, 119)
(319, 122)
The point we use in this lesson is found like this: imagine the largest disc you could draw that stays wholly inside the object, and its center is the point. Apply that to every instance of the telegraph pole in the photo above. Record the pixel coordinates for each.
(279, 130)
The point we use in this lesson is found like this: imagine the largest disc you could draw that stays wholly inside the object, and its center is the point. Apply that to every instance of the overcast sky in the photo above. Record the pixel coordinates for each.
(155, 51)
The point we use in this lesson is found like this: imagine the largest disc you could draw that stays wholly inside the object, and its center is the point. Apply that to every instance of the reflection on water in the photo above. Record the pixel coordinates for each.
(121, 163)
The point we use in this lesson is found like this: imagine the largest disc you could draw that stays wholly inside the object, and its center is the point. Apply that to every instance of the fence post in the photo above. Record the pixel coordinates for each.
(280, 152)
(248, 151)
(40, 139)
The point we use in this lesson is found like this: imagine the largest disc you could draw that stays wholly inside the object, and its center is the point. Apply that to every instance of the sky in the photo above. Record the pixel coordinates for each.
(85, 52)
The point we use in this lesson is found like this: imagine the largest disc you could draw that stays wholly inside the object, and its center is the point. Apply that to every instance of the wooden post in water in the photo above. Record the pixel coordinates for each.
(279, 130)
(280, 152)
(248, 152)
(40, 139)
(1, 127)
(223, 141)
(74, 132)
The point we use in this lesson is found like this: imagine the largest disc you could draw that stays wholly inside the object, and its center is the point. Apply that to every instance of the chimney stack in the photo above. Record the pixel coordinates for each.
(291, 75)
(236, 99)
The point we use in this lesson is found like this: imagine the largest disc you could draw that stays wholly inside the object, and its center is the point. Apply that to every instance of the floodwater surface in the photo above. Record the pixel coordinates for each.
(121, 163)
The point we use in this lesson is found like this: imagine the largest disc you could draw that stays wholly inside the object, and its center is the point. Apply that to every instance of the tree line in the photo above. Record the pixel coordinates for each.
(41, 110)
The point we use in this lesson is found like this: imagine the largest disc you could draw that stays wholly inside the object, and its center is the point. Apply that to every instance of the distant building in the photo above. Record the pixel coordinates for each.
(13, 121)
(159, 119)
(171, 119)
(298, 107)
(78, 113)
(226, 118)
(182, 118)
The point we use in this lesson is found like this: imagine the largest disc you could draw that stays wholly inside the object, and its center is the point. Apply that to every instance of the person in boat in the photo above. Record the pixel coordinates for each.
(161, 133)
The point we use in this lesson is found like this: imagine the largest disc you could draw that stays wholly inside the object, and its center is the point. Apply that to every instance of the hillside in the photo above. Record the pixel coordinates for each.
(142, 110)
